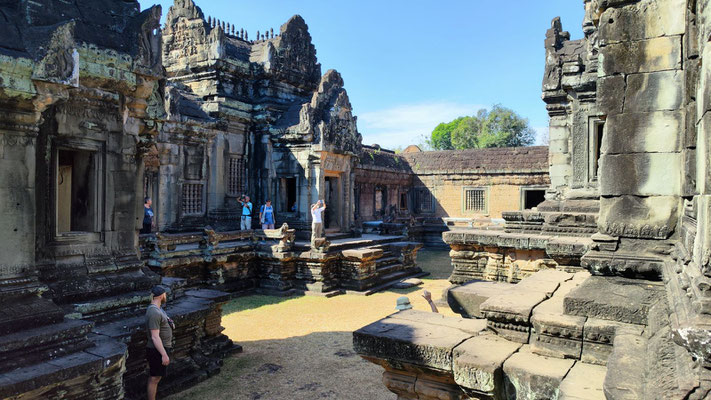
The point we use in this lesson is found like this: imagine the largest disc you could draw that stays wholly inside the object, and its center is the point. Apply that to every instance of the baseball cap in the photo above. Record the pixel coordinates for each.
(157, 290)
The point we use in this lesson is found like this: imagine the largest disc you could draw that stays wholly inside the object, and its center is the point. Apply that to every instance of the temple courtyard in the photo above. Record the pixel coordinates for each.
(302, 347)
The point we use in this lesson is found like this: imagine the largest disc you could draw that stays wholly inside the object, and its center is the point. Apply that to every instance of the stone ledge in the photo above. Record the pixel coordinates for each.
(415, 337)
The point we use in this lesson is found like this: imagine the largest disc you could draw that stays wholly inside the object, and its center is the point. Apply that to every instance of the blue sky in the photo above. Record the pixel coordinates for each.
(410, 64)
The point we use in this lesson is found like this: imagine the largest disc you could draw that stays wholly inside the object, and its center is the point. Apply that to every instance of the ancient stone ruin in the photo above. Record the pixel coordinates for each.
(603, 290)
(101, 106)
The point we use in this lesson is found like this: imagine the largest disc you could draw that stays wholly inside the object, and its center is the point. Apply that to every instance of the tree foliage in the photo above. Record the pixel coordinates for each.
(499, 127)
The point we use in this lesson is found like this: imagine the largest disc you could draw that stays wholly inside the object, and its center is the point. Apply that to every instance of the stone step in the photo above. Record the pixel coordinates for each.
(466, 299)
(384, 262)
(100, 364)
(114, 307)
(530, 376)
(583, 382)
(389, 280)
(615, 299)
(43, 343)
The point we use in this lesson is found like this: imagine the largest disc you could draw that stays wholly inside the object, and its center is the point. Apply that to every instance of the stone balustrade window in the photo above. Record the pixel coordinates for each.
(475, 200)
(192, 198)
(424, 202)
(236, 173)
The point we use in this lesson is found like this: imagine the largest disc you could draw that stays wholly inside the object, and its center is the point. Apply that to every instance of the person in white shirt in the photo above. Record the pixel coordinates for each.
(317, 221)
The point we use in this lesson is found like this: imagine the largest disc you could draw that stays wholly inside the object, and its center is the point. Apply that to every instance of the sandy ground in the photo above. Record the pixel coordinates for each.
(301, 347)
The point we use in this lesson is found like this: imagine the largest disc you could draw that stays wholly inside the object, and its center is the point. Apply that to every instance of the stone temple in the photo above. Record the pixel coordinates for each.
(604, 289)
(577, 267)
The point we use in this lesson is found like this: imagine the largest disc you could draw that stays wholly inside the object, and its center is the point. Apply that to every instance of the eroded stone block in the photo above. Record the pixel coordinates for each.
(646, 174)
(654, 91)
(656, 132)
(478, 363)
(613, 299)
(638, 217)
(583, 382)
(530, 376)
(658, 54)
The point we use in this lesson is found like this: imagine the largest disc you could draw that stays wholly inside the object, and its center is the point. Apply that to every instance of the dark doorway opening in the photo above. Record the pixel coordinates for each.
(288, 195)
(533, 197)
(75, 191)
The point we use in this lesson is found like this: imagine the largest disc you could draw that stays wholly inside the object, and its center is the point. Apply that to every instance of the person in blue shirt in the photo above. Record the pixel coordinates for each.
(148, 222)
(246, 219)
(266, 215)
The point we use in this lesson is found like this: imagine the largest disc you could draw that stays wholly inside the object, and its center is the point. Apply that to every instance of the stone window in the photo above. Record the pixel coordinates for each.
(236, 173)
(287, 194)
(403, 201)
(424, 202)
(475, 200)
(532, 197)
(380, 199)
(193, 162)
(192, 198)
(597, 128)
(78, 189)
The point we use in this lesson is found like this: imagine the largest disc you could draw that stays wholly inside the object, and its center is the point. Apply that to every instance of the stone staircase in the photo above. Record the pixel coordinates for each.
(554, 335)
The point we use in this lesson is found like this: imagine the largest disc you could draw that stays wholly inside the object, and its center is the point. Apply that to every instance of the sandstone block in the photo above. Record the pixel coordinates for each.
(638, 217)
(645, 174)
(530, 376)
(467, 299)
(658, 132)
(478, 363)
(642, 20)
(611, 94)
(414, 337)
(613, 299)
(599, 337)
(654, 91)
(652, 55)
(628, 359)
(583, 382)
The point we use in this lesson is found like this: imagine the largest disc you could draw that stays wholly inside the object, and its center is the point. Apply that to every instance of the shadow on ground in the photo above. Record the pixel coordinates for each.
(320, 365)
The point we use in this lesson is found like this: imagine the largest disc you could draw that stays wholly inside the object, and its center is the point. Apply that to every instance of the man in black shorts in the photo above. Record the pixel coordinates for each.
(159, 328)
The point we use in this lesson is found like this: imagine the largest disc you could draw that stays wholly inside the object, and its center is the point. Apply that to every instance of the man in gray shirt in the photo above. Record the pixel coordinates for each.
(159, 328)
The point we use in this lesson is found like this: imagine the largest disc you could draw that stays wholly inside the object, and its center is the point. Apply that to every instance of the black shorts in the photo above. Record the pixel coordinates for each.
(155, 362)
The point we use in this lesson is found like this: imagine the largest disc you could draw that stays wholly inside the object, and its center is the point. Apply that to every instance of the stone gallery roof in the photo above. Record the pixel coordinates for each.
(505, 159)
(377, 158)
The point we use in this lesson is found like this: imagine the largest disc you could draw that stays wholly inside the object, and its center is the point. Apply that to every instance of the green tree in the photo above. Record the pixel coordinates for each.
(499, 127)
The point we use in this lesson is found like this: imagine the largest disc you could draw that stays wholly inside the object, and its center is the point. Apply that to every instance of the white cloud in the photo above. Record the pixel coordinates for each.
(404, 125)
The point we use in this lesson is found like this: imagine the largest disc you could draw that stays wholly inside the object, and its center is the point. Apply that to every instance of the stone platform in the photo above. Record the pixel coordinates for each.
(273, 262)
(546, 337)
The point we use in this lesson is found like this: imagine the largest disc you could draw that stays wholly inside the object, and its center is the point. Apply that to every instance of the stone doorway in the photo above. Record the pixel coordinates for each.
(332, 196)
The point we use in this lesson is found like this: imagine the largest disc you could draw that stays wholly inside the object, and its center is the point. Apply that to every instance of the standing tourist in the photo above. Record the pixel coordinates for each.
(317, 221)
(159, 328)
(266, 215)
(148, 222)
(246, 222)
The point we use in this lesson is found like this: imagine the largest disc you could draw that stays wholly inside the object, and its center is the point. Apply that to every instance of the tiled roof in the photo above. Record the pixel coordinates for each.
(507, 159)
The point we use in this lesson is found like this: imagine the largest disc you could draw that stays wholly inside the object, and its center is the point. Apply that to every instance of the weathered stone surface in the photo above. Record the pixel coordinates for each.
(583, 382)
(657, 132)
(614, 299)
(467, 298)
(611, 94)
(639, 217)
(414, 337)
(478, 363)
(554, 333)
(627, 358)
(656, 91)
(530, 376)
(599, 335)
(649, 174)
(652, 55)
(642, 20)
